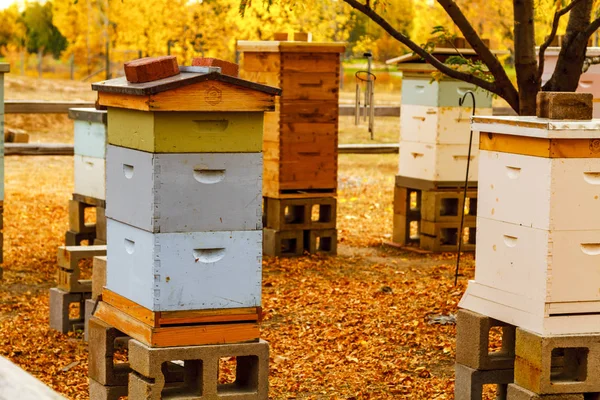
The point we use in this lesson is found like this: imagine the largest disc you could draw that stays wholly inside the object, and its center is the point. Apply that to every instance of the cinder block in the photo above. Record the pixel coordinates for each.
(101, 224)
(469, 382)
(472, 342)
(101, 366)
(556, 364)
(516, 392)
(201, 366)
(151, 69)
(321, 241)
(561, 105)
(98, 276)
(446, 205)
(283, 243)
(294, 214)
(77, 217)
(90, 305)
(59, 310)
(444, 236)
(99, 391)
(68, 258)
(75, 238)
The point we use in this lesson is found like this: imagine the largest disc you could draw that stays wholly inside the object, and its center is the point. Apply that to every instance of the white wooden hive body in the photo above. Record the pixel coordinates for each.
(538, 233)
(185, 192)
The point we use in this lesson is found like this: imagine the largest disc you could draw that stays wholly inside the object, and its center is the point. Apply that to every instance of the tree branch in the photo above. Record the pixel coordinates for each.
(593, 27)
(369, 12)
(557, 15)
(488, 58)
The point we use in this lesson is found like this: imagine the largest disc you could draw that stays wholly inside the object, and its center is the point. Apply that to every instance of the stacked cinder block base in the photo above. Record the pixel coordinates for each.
(200, 371)
(475, 365)
(556, 367)
(71, 288)
(293, 226)
(430, 218)
(79, 230)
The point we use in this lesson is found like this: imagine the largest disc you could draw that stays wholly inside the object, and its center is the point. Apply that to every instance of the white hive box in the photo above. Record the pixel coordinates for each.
(90, 176)
(538, 228)
(438, 125)
(589, 82)
(185, 192)
(90, 131)
(184, 271)
(431, 162)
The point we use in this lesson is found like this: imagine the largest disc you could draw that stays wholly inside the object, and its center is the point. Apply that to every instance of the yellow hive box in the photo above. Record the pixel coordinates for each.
(187, 113)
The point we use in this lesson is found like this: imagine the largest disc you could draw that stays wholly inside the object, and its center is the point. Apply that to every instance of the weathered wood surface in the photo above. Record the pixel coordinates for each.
(43, 107)
(15, 383)
(38, 149)
(59, 149)
(54, 107)
(379, 148)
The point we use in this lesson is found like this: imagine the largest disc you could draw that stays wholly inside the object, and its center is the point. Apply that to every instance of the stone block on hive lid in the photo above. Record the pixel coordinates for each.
(538, 236)
(227, 68)
(151, 69)
(565, 105)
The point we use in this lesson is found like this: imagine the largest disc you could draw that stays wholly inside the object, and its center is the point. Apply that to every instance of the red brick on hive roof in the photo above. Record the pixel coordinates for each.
(227, 68)
(150, 69)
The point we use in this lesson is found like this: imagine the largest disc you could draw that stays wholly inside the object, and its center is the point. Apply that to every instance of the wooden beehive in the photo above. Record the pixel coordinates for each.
(538, 227)
(301, 136)
(434, 128)
(183, 191)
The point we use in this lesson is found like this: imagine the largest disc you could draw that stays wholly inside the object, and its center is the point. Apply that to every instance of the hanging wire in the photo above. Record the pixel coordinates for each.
(462, 213)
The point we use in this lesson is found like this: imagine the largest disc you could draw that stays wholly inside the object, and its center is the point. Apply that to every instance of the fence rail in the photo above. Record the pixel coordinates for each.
(42, 107)
(64, 149)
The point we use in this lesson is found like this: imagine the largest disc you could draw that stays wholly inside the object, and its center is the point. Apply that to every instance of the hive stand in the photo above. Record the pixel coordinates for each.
(189, 147)
(300, 142)
(4, 68)
(71, 289)
(433, 154)
(201, 371)
(430, 218)
(475, 364)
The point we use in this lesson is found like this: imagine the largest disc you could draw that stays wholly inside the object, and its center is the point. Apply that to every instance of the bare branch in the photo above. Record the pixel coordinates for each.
(369, 12)
(593, 27)
(557, 15)
(488, 58)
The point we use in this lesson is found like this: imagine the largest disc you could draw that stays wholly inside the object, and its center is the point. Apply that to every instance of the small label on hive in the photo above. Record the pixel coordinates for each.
(213, 95)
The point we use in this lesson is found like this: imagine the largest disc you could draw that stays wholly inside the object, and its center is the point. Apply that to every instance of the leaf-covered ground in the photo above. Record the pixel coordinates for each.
(353, 326)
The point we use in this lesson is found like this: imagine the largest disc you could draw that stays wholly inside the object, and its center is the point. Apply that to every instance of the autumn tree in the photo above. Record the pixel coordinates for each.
(42, 36)
(582, 22)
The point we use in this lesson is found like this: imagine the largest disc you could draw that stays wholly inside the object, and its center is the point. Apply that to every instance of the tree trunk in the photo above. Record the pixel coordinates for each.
(565, 77)
(40, 59)
(525, 57)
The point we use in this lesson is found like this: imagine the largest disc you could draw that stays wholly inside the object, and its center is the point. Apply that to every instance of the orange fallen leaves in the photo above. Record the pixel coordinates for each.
(348, 327)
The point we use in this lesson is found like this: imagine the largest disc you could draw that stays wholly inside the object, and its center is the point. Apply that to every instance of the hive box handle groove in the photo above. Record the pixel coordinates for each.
(208, 256)
(129, 246)
(510, 241)
(592, 178)
(513, 172)
(128, 171)
(209, 176)
(591, 249)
